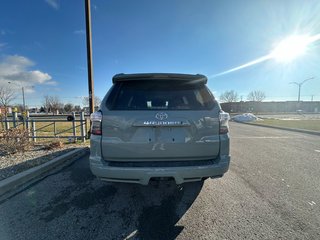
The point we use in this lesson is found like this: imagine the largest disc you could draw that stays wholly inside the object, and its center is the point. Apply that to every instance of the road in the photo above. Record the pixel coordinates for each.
(272, 191)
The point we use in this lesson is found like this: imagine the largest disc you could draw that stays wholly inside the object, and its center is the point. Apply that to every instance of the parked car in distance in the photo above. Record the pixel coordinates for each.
(156, 126)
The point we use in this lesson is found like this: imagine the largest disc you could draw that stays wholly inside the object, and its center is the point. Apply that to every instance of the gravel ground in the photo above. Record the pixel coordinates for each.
(39, 154)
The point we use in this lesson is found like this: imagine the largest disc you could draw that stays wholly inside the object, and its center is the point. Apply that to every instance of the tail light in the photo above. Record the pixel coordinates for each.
(224, 119)
(96, 118)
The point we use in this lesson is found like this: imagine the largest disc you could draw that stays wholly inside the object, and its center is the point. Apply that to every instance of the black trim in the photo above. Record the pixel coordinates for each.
(189, 163)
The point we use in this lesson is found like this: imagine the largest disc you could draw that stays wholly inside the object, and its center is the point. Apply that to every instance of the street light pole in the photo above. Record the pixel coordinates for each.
(24, 101)
(23, 98)
(299, 85)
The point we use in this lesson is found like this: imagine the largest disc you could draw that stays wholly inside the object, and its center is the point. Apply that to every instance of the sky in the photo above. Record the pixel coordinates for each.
(43, 45)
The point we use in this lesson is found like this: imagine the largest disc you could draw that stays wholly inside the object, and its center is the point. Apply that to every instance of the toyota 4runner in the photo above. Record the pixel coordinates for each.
(159, 126)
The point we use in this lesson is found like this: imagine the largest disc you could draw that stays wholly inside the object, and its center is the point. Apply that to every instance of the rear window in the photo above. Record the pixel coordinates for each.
(159, 95)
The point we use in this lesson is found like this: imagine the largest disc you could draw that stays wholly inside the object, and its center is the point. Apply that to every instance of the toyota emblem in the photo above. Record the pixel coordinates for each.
(161, 116)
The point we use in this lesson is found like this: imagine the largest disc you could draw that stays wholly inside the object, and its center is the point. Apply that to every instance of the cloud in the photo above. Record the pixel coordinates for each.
(36, 77)
(53, 3)
(2, 45)
(3, 32)
(81, 31)
(29, 90)
(15, 69)
(52, 83)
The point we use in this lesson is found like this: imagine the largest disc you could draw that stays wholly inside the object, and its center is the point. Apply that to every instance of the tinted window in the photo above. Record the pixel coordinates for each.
(159, 95)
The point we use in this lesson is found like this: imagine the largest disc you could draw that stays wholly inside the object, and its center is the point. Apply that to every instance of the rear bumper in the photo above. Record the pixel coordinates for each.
(142, 175)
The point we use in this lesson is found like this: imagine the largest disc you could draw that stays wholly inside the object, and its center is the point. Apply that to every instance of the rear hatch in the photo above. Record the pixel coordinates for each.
(159, 120)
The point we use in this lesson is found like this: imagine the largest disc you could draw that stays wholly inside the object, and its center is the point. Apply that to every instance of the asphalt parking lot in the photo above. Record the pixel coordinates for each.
(271, 191)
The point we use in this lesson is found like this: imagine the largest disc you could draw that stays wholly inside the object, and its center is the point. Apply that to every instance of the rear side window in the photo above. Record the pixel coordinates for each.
(159, 95)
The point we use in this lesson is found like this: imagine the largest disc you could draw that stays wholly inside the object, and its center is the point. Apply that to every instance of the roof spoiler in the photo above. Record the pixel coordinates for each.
(191, 78)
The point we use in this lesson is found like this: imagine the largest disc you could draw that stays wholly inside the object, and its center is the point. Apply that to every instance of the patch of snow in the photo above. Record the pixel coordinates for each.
(246, 117)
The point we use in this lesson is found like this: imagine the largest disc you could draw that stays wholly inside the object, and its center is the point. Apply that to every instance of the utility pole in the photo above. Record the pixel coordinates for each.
(299, 85)
(312, 98)
(89, 56)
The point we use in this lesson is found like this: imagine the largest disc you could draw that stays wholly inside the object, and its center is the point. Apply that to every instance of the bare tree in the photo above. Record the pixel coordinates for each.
(7, 95)
(97, 101)
(56, 104)
(229, 96)
(256, 96)
(46, 103)
(52, 103)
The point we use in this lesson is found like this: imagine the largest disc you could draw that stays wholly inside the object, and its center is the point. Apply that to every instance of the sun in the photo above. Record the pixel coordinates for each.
(290, 48)
(287, 50)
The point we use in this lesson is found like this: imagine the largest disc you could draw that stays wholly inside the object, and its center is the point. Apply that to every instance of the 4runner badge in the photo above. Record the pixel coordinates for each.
(161, 116)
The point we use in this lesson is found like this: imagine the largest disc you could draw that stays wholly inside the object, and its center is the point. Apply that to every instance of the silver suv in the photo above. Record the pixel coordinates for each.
(159, 126)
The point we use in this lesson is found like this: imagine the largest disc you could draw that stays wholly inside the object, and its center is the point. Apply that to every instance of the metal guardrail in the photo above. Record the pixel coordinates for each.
(30, 124)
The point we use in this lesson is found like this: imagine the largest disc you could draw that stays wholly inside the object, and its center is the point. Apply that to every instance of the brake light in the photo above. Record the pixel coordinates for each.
(96, 118)
(224, 119)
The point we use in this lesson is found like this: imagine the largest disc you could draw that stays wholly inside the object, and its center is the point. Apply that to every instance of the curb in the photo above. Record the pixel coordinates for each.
(13, 182)
(283, 128)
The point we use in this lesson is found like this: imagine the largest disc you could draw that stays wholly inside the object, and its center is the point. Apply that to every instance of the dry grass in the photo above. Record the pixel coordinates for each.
(47, 129)
(311, 124)
(56, 144)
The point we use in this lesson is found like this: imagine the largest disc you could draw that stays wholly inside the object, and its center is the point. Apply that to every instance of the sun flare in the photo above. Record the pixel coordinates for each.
(290, 48)
(286, 51)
